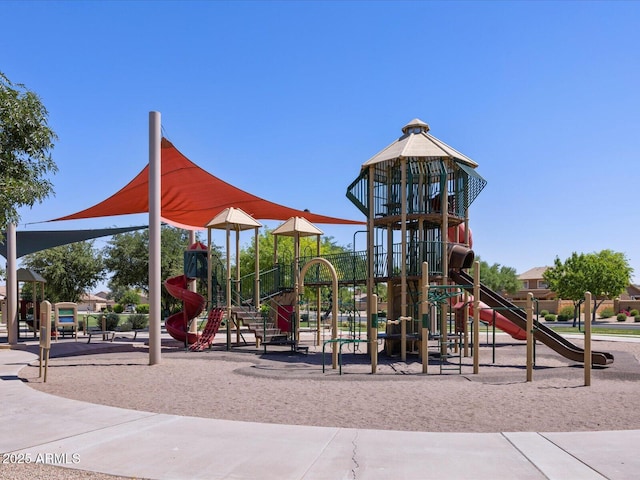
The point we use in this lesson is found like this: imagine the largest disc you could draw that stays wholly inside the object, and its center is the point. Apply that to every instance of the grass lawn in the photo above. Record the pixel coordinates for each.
(597, 330)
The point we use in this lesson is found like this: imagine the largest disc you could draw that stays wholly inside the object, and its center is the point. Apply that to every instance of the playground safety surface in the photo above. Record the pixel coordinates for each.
(143, 444)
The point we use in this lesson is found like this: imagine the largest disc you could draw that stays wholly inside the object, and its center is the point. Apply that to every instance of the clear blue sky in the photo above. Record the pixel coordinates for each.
(288, 99)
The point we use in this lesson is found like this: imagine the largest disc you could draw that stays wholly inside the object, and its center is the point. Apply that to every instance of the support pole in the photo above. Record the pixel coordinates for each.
(587, 339)
(12, 286)
(155, 199)
(425, 317)
(373, 335)
(476, 317)
(529, 336)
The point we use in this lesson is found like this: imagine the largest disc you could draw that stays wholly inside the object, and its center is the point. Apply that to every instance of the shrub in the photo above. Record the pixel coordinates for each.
(117, 308)
(636, 318)
(606, 312)
(138, 321)
(111, 321)
(634, 313)
(382, 314)
(142, 308)
(564, 318)
(549, 317)
(567, 311)
(621, 317)
(544, 313)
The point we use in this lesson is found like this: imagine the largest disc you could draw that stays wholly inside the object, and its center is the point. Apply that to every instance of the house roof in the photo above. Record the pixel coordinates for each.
(533, 274)
(191, 197)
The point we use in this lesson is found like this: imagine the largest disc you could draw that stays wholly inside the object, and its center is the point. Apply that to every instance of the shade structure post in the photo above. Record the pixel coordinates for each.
(155, 170)
(12, 286)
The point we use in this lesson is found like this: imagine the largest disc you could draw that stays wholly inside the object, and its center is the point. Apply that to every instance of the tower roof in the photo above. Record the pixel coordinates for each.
(416, 141)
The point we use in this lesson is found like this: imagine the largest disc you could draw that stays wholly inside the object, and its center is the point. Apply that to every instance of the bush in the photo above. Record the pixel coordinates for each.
(606, 312)
(621, 317)
(549, 317)
(567, 311)
(382, 314)
(142, 308)
(636, 318)
(117, 308)
(544, 313)
(111, 321)
(564, 318)
(634, 313)
(138, 321)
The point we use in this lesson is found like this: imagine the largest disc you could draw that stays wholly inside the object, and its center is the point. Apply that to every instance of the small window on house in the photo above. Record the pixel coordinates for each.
(542, 284)
(525, 284)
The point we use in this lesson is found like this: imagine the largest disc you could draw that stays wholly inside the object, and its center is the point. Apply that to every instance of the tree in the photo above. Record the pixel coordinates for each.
(605, 274)
(70, 270)
(127, 257)
(498, 277)
(567, 280)
(25, 144)
(286, 247)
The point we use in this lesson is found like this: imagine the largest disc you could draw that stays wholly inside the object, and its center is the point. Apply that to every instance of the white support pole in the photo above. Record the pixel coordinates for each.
(12, 286)
(193, 286)
(155, 170)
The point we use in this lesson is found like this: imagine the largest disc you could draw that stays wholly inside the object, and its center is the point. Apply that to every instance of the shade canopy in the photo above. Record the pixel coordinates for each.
(33, 241)
(191, 197)
(234, 218)
(26, 275)
(297, 225)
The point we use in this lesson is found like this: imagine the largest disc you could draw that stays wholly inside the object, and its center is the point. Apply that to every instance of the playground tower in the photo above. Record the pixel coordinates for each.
(415, 194)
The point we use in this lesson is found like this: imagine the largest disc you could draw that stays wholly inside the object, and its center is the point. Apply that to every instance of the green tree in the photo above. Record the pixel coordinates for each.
(25, 144)
(498, 277)
(286, 248)
(127, 258)
(606, 274)
(70, 270)
(567, 280)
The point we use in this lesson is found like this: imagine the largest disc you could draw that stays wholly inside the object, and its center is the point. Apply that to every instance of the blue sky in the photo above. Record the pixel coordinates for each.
(288, 99)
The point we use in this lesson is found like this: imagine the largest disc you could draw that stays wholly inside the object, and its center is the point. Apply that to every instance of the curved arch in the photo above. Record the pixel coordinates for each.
(334, 307)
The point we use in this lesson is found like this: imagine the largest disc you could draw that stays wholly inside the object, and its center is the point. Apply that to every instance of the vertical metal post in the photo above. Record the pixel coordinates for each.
(155, 199)
(12, 286)
(529, 337)
(476, 317)
(425, 317)
(373, 335)
(587, 339)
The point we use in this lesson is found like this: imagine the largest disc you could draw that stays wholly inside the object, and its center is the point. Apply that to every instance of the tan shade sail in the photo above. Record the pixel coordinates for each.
(191, 197)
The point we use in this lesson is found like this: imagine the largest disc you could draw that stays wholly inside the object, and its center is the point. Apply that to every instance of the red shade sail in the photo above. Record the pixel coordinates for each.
(192, 196)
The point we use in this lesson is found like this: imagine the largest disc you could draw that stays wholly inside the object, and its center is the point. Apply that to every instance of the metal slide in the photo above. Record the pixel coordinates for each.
(542, 333)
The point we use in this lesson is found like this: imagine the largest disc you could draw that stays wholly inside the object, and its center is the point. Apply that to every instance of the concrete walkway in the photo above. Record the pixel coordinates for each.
(42, 428)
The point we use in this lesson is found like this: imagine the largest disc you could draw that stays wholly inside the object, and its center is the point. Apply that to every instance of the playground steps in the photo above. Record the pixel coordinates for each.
(252, 319)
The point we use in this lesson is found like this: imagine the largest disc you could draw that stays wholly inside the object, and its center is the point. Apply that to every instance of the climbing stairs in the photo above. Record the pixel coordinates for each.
(265, 332)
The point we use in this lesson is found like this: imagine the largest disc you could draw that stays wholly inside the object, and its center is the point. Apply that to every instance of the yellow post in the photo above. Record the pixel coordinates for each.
(465, 325)
(476, 317)
(403, 338)
(529, 337)
(425, 317)
(587, 339)
(373, 334)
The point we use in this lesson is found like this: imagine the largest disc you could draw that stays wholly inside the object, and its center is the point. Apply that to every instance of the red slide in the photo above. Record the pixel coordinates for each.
(487, 315)
(193, 303)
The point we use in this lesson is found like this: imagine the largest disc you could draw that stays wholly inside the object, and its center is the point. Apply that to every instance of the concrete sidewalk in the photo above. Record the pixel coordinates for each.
(42, 428)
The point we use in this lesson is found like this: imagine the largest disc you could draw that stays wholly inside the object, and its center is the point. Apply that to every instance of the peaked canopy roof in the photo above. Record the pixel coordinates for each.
(191, 197)
(417, 142)
(297, 225)
(233, 217)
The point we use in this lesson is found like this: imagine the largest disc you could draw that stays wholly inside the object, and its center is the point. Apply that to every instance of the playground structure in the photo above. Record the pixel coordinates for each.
(416, 195)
